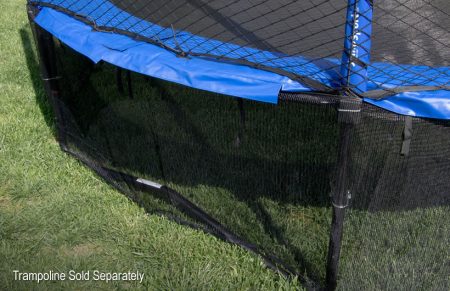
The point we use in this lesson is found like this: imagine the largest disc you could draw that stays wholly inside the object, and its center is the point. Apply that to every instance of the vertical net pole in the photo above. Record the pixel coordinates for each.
(355, 60)
(357, 45)
(349, 113)
(340, 199)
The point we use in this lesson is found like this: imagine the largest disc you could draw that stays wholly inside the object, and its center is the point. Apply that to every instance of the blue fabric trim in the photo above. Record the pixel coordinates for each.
(148, 59)
(107, 14)
(243, 81)
(427, 104)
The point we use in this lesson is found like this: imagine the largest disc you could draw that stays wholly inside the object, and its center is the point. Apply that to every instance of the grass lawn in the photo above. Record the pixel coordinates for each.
(55, 214)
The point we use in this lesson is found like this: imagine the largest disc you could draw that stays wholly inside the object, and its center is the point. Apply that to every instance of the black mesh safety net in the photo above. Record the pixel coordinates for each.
(260, 175)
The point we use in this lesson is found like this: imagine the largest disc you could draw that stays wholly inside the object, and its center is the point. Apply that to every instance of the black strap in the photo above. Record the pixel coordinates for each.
(407, 136)
(130, 88)
(240, 135)
(119, 80)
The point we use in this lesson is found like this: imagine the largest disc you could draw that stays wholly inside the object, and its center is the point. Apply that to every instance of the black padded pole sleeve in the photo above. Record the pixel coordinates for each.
(340, 199)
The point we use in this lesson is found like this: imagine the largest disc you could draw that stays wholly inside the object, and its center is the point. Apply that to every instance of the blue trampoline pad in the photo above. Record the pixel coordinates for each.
(230, 78)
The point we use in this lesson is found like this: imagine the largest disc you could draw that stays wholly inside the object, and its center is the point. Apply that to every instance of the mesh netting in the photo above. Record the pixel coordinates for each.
(412, 32)
(265, 172)
(391, 46)
(413, 36)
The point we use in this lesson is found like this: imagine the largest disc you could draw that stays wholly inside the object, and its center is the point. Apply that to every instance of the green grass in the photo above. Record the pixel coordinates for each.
(55, 214)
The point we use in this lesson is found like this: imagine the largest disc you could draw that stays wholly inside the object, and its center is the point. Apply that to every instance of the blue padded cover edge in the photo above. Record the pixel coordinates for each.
(210, 75)
(123, 51)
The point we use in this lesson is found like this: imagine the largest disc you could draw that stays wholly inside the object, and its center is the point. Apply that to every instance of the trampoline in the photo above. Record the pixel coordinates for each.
(348, 97)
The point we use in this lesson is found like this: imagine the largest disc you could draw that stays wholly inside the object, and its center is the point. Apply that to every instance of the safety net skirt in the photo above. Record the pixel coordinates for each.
(282, 104)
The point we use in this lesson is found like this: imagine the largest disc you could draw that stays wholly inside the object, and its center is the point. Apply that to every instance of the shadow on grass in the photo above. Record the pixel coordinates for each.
(33, 67)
